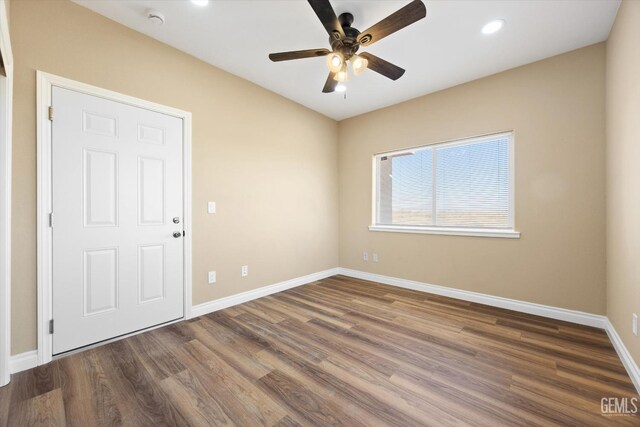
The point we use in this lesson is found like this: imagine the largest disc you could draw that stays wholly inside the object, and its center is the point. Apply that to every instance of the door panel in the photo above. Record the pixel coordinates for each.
(99, 124)
(100, 188)
(151, 181)
(150, 134)
(100, 280)
(117, 185)
(151, 268)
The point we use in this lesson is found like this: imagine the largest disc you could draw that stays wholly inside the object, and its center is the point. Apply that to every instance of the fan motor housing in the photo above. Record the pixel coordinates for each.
(349, 45)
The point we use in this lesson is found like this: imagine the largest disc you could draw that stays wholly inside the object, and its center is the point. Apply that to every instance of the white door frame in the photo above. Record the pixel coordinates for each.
(45, 283)
(6, 110)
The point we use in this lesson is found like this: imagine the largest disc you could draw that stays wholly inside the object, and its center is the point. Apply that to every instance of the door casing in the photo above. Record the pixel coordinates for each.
(6, 113)
(45, 82)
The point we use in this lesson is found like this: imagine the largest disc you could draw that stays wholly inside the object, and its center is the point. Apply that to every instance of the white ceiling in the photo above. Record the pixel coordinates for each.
(442, 50)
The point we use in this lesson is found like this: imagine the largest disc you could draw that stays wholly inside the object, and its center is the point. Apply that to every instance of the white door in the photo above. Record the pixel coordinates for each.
(117, 219)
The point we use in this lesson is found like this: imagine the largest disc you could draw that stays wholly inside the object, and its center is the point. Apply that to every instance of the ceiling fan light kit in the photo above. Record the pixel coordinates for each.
(346, 40)
(342, 76)
(335, 61)
(359, 64)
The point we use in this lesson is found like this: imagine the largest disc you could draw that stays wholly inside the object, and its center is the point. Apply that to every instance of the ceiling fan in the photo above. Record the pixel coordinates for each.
(346, 40)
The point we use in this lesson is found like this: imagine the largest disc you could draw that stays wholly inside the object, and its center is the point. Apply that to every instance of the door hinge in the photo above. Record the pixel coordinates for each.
(51, 326)
(51, 113)
(51, 220)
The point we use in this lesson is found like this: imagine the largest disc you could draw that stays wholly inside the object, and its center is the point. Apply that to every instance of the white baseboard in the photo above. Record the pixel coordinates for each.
(573, 316)
(23, 361)
(627, 360)
(28, 360)
(219, 304)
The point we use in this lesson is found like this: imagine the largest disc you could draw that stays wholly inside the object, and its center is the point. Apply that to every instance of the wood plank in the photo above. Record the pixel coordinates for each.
(194, 401)
(347, 393)
(46, 410)
(245, 403)
(139, 398)
(234, 352)
(273, 359)
(339, 351)
(287, 421)
(156, 357)
(5, 404)
(304, 402)
(281, 339)
(257, 310)
(273, 304)
(421, 407)
(320, 337)
(566, 414)
(88, 396)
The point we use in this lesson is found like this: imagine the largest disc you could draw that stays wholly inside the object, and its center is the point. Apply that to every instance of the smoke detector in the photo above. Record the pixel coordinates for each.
(155, 17)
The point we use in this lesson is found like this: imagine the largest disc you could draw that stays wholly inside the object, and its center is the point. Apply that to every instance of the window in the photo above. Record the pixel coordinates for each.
(462, 187)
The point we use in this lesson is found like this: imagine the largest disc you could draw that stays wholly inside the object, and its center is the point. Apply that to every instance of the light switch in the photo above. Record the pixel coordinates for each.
(212, 277)
(211, 207)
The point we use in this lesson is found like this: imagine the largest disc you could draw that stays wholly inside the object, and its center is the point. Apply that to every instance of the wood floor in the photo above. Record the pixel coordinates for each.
(336, 352)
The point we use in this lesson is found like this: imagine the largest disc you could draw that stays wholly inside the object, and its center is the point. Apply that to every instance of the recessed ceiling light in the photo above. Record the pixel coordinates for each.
(200, 2)
(492, 27)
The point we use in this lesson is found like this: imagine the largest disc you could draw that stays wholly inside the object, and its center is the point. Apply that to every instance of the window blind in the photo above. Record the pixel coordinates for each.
(465, 184)
(406, 188)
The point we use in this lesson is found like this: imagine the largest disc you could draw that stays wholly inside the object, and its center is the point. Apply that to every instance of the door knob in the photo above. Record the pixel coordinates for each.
(177, 234)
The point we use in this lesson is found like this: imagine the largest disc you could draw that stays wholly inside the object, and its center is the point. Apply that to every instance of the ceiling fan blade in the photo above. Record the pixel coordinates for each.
(409, 14)
(298, 54)
(328, 17)
(330, 85)
(383, 67)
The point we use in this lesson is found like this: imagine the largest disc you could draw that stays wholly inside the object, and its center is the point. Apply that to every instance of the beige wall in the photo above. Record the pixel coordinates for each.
(270, 164)
(556, 108)
(262, 158)
(623, 173)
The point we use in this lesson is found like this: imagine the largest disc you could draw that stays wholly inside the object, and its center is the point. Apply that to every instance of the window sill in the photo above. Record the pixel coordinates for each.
(477, 232)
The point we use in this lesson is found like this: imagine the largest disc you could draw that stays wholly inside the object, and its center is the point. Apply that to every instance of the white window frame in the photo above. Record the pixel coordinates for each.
(510, 232)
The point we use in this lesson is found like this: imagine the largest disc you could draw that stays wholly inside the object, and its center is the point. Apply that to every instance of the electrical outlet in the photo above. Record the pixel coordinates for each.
(635, 324)
(211, 207)
(375, 257)
(365, 256)
(244, 272)
(212, 277)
